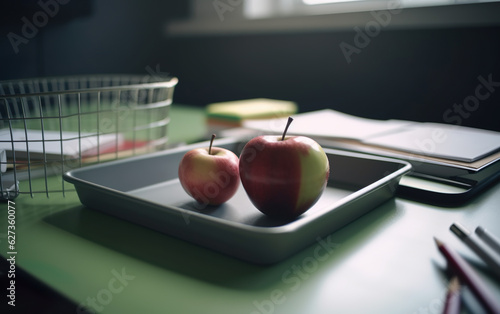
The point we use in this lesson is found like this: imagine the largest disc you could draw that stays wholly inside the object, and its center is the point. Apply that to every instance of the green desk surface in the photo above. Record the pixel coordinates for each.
(384, 262)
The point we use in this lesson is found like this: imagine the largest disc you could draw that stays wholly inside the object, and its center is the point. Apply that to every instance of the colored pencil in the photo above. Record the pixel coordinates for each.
(468, 276)
(488, 238)
(488, 256)
(452, 304)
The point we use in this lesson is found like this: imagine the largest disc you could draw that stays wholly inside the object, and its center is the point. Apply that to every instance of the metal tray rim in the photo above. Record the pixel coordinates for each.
(71, 177)
(251, 243)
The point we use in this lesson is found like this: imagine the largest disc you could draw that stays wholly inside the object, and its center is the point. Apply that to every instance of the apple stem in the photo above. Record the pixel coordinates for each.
(210, 147)
(290, 119)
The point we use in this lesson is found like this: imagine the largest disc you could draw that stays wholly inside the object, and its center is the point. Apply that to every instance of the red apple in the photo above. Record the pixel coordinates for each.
(283, 176)
(209, 175)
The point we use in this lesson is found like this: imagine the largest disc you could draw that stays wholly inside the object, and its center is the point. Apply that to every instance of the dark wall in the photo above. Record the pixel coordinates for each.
(416, 74)
(421, 74)
(86, 36)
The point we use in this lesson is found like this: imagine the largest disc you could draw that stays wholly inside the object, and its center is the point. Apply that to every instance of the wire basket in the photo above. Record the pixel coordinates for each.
(51, 125)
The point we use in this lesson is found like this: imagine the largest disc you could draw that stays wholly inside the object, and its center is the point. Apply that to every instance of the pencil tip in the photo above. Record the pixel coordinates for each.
(454, 284)
(438, 243)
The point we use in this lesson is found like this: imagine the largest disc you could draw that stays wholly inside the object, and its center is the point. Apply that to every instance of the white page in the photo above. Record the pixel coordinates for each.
(442, 141)
(430, 139)
(51, 142)
(328, 123)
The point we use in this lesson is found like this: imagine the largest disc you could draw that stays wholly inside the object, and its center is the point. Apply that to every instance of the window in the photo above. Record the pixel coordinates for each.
(255, 9)
(257, 16)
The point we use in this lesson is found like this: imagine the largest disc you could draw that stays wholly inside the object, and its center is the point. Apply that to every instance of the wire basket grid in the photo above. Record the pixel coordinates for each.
(51, 125)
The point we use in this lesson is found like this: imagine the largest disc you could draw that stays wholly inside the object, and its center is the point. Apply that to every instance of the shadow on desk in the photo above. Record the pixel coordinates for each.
(192, 260)
(33, 296)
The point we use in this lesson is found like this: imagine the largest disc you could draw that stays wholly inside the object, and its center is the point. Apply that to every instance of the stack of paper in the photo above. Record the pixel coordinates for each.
(458, 146)
(54, 145)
